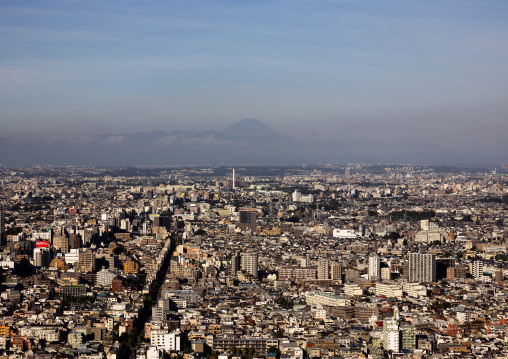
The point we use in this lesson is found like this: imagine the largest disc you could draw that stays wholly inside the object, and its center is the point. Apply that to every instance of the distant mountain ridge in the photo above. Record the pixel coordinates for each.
(246, 130)
(248, 141)
(253, 129)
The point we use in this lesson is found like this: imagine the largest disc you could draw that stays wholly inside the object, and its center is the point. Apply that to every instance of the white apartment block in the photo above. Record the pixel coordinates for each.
(154, 353)
(165, 341)
(391, 335)
(50, 335)
(320, 298)
(389, 289)
(414, 289)
(105, 277)
(429, 232)
(352, 289)
(477, 270)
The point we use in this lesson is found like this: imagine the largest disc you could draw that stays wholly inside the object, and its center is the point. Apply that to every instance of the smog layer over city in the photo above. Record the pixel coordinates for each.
(253, 179)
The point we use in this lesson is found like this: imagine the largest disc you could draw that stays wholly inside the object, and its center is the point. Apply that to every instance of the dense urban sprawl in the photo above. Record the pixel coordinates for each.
(254, 262)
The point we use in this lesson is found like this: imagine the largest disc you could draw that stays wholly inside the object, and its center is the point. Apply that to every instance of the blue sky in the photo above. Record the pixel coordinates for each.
(376, 70)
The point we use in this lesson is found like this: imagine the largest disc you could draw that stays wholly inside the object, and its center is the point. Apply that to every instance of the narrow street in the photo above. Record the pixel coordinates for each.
(129, 349)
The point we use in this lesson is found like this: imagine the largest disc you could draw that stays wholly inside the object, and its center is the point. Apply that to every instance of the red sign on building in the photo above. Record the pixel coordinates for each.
(39, 244)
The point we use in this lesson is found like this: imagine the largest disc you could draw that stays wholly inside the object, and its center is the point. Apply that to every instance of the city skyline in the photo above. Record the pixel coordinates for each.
(262, 262)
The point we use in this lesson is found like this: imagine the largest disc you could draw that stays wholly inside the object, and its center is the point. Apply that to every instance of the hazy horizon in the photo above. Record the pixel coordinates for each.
(428, 74)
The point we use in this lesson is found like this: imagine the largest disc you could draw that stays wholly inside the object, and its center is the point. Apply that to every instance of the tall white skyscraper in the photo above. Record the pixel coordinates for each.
(374, 268)
(422, 267)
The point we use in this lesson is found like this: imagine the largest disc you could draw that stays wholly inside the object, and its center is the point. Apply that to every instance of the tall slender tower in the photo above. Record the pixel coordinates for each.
(234, 183)
(2, 226)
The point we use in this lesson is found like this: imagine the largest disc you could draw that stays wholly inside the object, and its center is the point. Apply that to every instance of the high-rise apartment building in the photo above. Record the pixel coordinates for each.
(162, 221)
(442, 265)
(422, 267)
(86, 261)
(42, 257)
(248, 218)
(456, 272)
(61, 244)
(336, 271)
(250, 264)
(386, 273)
(391, 334)
(408, 337)
(323, 269)
(477, 270)
(398, 336)
(429, 232)
(158, 313)
(235, 263)
(74, 241)
(374, 268)
(296, 196)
